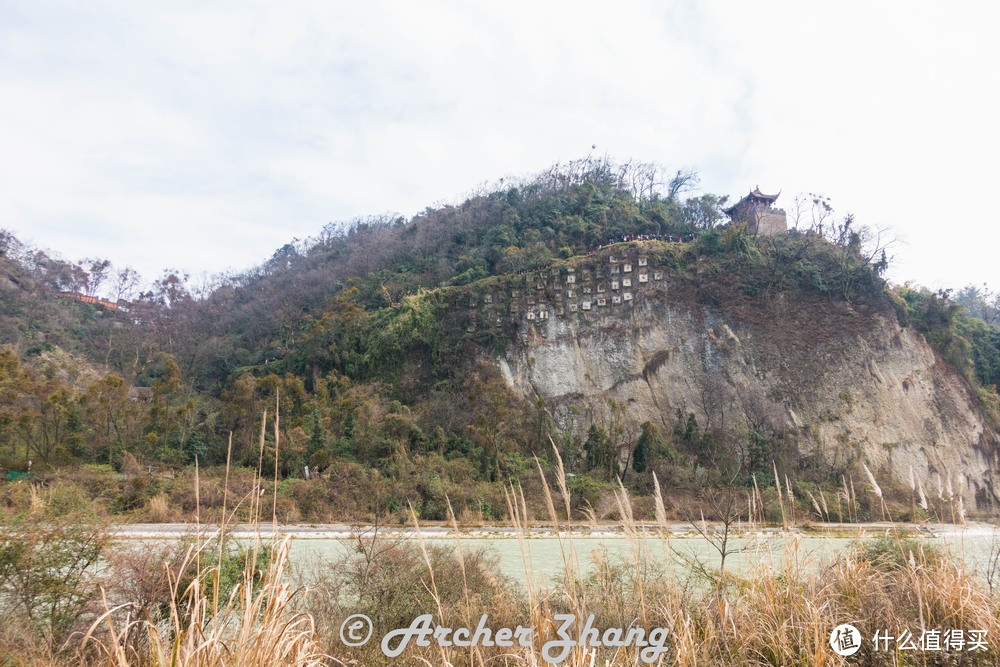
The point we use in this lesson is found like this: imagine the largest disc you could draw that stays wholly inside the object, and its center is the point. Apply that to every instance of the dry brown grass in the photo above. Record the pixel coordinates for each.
(781, 612)
(258, 625)
(158, 510)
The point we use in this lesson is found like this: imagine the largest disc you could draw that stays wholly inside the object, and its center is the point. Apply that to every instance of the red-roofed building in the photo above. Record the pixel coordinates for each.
(90, 299)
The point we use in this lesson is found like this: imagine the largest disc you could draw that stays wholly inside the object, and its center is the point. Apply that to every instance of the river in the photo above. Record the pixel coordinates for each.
(541, 552)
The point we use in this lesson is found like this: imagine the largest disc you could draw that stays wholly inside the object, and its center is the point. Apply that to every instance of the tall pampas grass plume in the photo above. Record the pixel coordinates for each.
(923, 498)
(876, 489)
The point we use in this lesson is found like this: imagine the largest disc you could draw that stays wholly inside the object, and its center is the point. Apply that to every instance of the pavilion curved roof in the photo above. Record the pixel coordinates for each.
(754, 195)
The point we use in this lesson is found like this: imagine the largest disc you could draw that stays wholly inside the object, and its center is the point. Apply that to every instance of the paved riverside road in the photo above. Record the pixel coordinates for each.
(344, 530)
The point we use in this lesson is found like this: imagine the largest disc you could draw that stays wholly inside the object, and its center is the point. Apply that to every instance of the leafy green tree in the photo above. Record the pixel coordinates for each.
(317, 437)
(980, 302)
(648, 447)
(585, 490)
(601, 454)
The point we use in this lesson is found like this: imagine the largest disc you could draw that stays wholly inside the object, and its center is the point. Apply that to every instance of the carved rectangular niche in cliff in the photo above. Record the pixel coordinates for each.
(585, 305)
(570, 294)
(539, 285)
(489, 298)
(627, 296)
(572, 307)
(626, 282)
(657, 275)
(543, 314)
(513, 294)
(643, 278)
(613, 259)
(642, 261)
(530, 315)
(602, 302)
(616, 299)
(560, 310)
(585, 276)
(627, 268)
(600, 288)
(587, 290)
(472, 302)
(570, 279)
(614, 284)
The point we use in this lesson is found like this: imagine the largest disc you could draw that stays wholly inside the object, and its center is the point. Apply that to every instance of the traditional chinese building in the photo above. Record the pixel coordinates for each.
(757, 211)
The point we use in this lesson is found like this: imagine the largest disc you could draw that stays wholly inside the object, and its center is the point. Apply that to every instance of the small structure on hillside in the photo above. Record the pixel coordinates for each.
(93, 300)
(757, 211)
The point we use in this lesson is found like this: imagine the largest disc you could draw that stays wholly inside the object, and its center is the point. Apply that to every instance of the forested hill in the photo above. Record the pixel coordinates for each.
(375, 262)
(375, 371)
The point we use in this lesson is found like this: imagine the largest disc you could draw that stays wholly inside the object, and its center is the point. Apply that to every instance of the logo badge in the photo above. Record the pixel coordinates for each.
(845, 639)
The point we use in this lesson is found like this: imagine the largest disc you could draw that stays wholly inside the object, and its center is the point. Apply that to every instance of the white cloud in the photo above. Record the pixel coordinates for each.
(207, 137)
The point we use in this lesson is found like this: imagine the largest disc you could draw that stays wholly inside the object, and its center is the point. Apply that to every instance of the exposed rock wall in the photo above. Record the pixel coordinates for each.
(850, 386)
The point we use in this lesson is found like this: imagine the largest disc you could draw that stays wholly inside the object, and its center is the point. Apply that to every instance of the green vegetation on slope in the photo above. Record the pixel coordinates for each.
(382, 388)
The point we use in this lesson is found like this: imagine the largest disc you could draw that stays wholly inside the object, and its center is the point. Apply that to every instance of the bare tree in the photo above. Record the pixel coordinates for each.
(727, 505)
(860, 247)
(683, 181)
(97, 271)
(763, 428)
(125, 283)
(812, 210)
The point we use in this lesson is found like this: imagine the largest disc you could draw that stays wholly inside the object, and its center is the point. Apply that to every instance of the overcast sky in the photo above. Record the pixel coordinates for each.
(205, 135)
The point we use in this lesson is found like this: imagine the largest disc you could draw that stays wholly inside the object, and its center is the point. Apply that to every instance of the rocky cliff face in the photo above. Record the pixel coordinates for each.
(849, 386)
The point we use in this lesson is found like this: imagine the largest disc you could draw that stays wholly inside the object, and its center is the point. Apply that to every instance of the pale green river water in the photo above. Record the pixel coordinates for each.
(545, 556)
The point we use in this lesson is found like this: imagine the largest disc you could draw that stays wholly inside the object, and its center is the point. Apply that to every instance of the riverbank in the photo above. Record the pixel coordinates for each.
(442, 530)
(295, 585)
